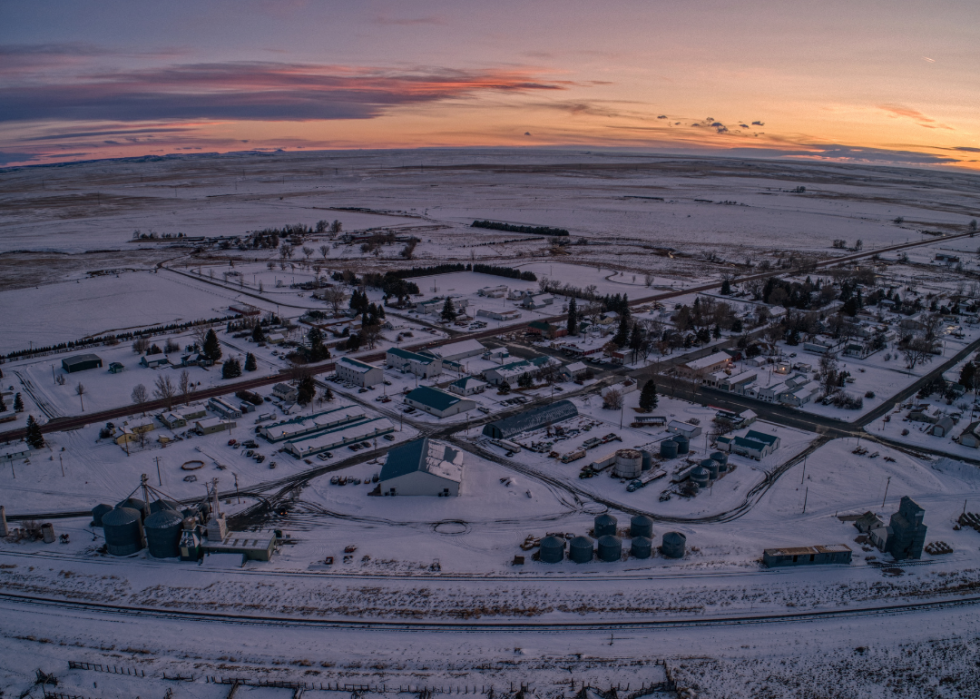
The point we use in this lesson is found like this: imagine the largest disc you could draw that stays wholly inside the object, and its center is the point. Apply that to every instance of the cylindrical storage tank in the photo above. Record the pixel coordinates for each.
(158, 505)
(641, 525)
(47, 531)
(605, 524)
(683, 444)
(668, 449)
(163, 533)
(629, 464)
(673, 545)
(190, 512)
(98, 512)
(721, 457)
(610, 548)
(135, 504)
(641, 547)
(699, 476)
(580, 549)
(711, 466)
(123, 531)
(647, 460)
(552, 549)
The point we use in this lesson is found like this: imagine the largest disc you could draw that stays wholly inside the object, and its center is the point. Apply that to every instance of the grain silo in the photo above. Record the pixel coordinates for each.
(580, 549)
(605, 524)
(163, 533)
(47, 532)
(711, 466)
(647, 459)
(552, 550)
(135, 504)
(668, 449)
(641, 525)
(641, 547)
(123, 529)
(158, 505)
(610, 548)
(673, 545)
(98, 512)
(629, 464)
(683, 444)
(721, 457)
(699, 476)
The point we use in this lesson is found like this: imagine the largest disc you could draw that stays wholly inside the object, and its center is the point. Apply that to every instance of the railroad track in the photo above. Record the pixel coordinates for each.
(522, 626)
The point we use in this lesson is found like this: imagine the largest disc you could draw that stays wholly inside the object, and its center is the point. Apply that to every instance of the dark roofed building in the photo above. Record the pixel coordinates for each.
(422, 467)
(81, 362)
(531, 419)
(438, 403)
(908, 533)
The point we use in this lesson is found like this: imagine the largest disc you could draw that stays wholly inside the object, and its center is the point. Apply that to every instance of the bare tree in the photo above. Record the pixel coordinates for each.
(335, 297)
(324, 251)
(200, 333)
(336, 227)
(80, 390)
(165, 390)
(140, 345)
(612, 399)
(184, 385)
(307, 253)
(139, 396)
(917, 350)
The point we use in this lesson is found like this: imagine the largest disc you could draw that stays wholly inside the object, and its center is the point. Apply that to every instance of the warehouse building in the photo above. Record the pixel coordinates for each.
(807, 555)
(210, 425)
(422, 467)
(358, 373)
(532, 419)
(456, 351)
(303, 425)
(224, 409)
(339, 437)
(700, 368)
(438, 403)
(81, 362)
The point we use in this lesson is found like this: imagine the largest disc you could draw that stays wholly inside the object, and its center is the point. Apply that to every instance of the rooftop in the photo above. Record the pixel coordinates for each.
(426, 456)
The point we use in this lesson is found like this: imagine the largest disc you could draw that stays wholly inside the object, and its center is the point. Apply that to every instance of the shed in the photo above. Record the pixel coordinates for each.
(81, 362)
(683, 428)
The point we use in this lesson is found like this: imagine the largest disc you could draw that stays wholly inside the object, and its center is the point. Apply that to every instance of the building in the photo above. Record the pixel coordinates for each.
(172, 421)
(683, 428)
(532, 419)
(807, 555)
(508, 372)
(942, 427)
(435, 306)
(456, 351)
(493, 292)
(537, 301)
(970, 437)
(500, 355)
(193, 411)
(196, 359)
(737, 420)
(799, 395)
(737, 382)
(575, 370)
(252, 546)
(285, 392)
(697, 369)
(153, 361)
(303, 425)
(116, 368)
(210, 425)
(468, 386)
(358, 373)
(947, 258)
(422, 467)
(14, 453)
(224, 409)
(908, 533)
(411, 362)
(81, 362)
(755, 445)
(345, 435)
(436, 402)
(509, 314)
(821, 345)
(546, 329)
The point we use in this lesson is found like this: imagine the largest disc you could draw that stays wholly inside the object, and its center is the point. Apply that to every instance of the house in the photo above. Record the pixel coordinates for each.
(196, 359)
(807, 555)
(535, 301)
(172, 421)
(576, 370)
(193, 411)
(498, 355)
(81, 362)
(509, 314)
(153, 361)
(799, 395)
(434, 306)
(422, 467)
(942, 427)
(738, 382)
(456, 351)
(970, 437)
(866, 522)
(116, 368)
(519, 294)
(923, 413)
(285, 392)
(508, 372)
(697, 369)
(468, 386)
(688, 430)
(210, 425)
(411, 362)
(947, 258)
(545, 329)
(769, 439)
(737, 420)
(224, 409)
(436, 402)
(493, 292)
(821, 345)
(532, 419)
(908, 533)
(14, 453)
(358, 373)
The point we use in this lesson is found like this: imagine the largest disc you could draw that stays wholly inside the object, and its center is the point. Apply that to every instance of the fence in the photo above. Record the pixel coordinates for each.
(111, 669)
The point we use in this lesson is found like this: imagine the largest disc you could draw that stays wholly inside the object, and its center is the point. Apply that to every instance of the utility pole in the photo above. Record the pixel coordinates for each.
(804, 469)
(159, 478)
(805, 497)
(62, 460)
(887, 483)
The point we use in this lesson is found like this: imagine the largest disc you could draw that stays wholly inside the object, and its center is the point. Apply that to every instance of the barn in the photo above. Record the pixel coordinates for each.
(81, 362)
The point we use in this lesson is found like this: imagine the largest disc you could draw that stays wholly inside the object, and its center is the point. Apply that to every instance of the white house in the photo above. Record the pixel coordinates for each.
(358, 373)
(421, 365)
(575, 370)
(422, 467)
(14, 453)
(285, 392)
(468, 386)
(537, 301)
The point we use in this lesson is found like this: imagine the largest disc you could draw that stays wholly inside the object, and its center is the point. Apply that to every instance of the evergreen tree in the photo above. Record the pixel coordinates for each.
(212, 350)
(35, 439)
(231, 369)
(18, 403)
(717, 331)
(448, 311)
(250, 363)
(726, 287)
(572, 317)
(306, 390)
(968, 376)
(737, 325)
(3, 406)
(257, 334)
(327, 395)
(648, 396)
(623, 335)
(504, 388)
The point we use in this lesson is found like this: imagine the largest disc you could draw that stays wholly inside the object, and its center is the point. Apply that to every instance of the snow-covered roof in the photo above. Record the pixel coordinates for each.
(357, 365)
(457, 348)
(425, 456)
(710, 360)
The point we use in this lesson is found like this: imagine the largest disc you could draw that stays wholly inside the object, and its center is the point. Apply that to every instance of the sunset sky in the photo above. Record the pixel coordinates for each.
(876, 81)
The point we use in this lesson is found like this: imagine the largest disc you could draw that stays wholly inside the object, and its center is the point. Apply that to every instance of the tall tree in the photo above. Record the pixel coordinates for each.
(165, 390)
(623, 334)
(250, 363)
(726, 287)
(448, 310)
(3, 406)
(18, 403)
(257, 334)
(35, 440)
(140, 396)
(572, 317)
(306, 390)
(212, 348)
(648, 396)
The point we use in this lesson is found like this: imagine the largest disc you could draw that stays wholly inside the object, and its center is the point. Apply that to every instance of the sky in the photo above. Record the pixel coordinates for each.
(876, 81)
